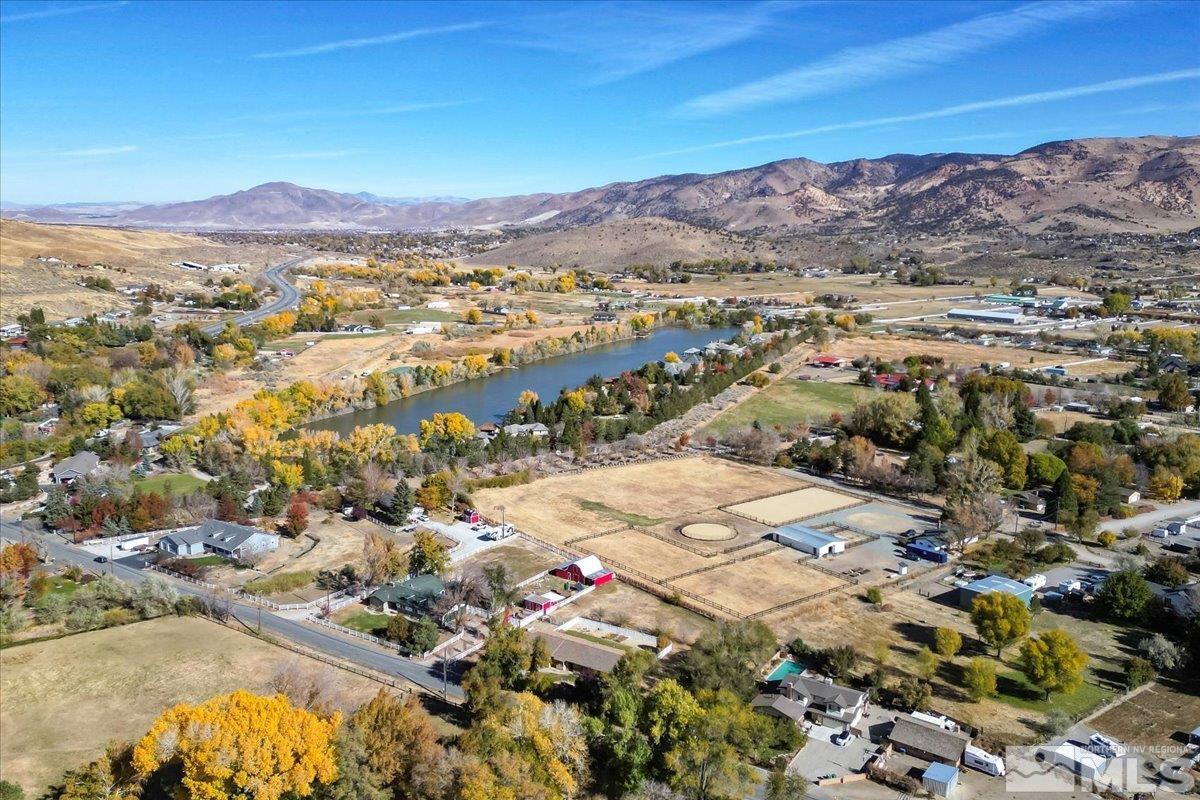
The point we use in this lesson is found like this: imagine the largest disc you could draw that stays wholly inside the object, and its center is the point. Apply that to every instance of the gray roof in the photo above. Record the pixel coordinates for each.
(785, 707)
(226, 535)
(415, 590)
(945, 745)
(819, 691)
(801, 534)
(81, 463)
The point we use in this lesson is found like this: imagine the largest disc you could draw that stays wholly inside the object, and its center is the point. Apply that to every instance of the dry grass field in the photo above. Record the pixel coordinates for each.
(565, 507)
(757, 584)
(630, 517)
(646, 553)
(126, 256)
(109, 685)
(1154, 717)
(800, 504)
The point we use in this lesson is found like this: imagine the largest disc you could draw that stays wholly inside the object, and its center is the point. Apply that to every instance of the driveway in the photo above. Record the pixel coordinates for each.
(820, 756)
(470, 542)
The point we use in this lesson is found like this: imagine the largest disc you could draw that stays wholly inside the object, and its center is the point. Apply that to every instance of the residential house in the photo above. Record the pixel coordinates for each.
(928, 550)
(823, 701)
(693, 356)
(587, 571)
(676, 369)
(928, 742)
(826, 361)
(12, 329)
(412, 597)
(579, 655)
(227, 539)
(993, 583)
(71, 469)
(535, 429)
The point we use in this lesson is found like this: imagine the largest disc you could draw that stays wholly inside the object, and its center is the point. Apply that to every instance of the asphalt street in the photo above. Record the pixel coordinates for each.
(299, 633)
(288, 297)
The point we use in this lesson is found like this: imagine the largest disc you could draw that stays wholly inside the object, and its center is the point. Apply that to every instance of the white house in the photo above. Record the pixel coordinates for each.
(438, 304)
(227, 539)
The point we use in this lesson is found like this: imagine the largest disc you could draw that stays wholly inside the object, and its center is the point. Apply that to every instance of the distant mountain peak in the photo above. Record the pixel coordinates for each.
(1142, 184)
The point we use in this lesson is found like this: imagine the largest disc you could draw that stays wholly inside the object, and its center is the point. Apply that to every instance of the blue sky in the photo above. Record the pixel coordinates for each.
(171, 101)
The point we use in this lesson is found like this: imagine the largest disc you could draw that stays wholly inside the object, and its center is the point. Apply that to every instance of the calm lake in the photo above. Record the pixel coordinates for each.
(488, 399)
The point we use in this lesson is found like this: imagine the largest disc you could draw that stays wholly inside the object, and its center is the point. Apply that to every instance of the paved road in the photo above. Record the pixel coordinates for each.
(300, 633)
(1184, 509)
(288, 297)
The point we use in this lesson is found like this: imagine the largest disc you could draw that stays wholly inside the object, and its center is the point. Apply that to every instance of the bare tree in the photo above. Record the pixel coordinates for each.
(180, 384)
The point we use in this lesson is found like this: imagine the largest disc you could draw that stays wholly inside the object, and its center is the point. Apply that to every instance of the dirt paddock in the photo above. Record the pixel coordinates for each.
(800, 504)
(562, 508)
(757, 584)
(646, 553)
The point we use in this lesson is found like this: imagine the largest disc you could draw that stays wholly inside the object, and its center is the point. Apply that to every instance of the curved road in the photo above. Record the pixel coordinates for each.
(289, 295)
(301, 633)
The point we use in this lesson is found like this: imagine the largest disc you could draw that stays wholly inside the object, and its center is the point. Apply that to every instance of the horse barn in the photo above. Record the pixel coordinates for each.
(587, 571)
(809, 540)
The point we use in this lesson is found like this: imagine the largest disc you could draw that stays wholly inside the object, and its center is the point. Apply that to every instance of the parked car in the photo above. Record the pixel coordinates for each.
(101, 559)
(841, 739)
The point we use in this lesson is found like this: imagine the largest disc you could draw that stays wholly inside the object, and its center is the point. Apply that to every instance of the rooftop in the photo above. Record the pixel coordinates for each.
(998, 583)
(945, 745)
(805, 535)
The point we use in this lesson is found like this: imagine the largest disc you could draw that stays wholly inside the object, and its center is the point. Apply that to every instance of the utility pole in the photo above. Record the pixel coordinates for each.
(259, 608)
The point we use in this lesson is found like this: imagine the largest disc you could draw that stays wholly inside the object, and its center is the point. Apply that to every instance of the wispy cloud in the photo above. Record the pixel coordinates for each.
(371, 41)
(62, 11)
(627, 38)
(377, 111)
(858, 66)
(89, 152)
(1120, 84)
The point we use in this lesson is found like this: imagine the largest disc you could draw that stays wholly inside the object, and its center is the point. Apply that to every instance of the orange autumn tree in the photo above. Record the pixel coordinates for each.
(241, 745)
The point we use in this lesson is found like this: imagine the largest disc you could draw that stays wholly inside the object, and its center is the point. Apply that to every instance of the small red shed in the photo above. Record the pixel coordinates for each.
(470, 516)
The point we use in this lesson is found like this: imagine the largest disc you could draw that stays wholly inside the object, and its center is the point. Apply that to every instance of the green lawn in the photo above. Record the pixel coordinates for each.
(788, 402)
(1015, 690)
(180, 484)
(618, 515)
(367, 622)
(61, 585)
(210, 560)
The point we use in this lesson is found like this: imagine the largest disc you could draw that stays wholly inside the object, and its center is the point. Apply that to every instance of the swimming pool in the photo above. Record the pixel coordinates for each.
(785, 668)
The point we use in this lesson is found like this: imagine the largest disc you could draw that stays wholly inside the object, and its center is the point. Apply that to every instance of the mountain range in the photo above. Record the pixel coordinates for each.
(1143, 184)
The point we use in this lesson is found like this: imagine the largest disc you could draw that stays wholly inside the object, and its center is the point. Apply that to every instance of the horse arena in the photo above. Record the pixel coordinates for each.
(688, 528)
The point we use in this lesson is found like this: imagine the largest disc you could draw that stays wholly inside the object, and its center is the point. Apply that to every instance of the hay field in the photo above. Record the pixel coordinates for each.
(757, 584)
(561, 508)
(64, 700)
(646, 553)
(1152, 717)
(784, 508)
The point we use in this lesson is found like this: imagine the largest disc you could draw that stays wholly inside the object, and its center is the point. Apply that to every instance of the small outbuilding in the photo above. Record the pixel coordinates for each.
(927, 550)
(809, 540)
(940, 779)
(542, 602)
(993, 583)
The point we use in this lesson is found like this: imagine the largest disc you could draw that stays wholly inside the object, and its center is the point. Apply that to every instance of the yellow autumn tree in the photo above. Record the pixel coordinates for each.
(241, 745)
(289, 476)
(475, 364)
(473, 316)
(279, 324)
(224, 355)
(449, 427)
(671, 357)
(531, 317)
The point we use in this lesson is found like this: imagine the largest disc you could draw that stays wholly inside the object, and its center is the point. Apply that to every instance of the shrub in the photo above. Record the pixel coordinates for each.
(947, 642)
(1107, 539)
(84, 618)
(1138, 671)
(875, 595)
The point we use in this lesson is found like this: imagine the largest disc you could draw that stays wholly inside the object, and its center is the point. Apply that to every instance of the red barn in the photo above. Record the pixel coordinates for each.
(470, 516)
(587, 570)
